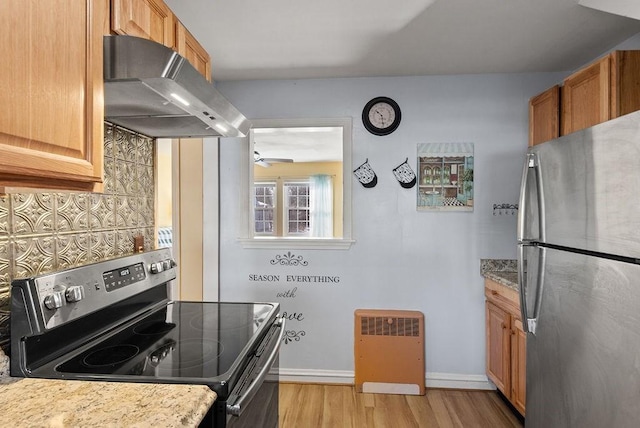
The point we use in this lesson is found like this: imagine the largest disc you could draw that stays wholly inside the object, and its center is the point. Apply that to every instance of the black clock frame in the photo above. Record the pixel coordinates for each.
(371, 127)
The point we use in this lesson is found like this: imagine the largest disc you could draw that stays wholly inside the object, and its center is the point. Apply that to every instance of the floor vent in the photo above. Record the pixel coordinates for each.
(389, 351)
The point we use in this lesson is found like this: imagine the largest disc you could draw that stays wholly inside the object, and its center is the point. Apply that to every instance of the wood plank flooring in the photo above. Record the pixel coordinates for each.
(338, 406)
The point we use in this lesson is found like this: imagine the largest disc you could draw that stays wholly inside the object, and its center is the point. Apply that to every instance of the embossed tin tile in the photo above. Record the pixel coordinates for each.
(126, 212)
(149, 234)
(71, 212)
(145, 180)
(134, 187)
(102, 245)
(4, 215)
(32, 213)
(33, 256)
(125, 174)
(120, 144)
(146, 212)
(101, 212)
(72, 250)
(108, 141)
(145, 151)
(5, 265)
(109, 176)
(124, 241)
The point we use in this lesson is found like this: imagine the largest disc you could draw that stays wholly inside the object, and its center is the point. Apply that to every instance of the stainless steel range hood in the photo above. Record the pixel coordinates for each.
(150, 89)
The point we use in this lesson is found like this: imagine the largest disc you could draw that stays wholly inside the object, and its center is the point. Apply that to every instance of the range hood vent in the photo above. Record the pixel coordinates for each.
(152, 90)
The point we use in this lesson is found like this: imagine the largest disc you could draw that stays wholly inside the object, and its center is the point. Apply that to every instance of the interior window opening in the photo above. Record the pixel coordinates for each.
(307, 163)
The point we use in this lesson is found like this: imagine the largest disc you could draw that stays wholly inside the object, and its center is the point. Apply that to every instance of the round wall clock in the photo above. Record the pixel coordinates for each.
(381, 116)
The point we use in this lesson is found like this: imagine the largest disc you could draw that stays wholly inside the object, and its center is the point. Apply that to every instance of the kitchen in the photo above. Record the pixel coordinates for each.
(401, 259)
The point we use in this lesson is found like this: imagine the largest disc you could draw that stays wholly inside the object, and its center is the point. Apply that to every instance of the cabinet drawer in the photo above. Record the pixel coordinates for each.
(502, 296)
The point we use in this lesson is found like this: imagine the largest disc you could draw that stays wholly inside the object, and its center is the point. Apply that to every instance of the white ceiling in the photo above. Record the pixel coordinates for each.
(303, 144)
(291, 39)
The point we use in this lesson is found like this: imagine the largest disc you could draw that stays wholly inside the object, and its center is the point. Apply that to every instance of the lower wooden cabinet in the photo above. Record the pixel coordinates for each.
(506, 343)
(518, 365)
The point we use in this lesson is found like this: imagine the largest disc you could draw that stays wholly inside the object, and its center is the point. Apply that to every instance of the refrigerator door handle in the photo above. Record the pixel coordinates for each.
(532, 162)
(529, 324)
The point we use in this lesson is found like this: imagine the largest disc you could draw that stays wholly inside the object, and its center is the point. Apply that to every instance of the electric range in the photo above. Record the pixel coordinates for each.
(114, 321)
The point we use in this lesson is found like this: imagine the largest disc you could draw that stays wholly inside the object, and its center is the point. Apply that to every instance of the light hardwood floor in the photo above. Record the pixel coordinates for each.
(337, 406)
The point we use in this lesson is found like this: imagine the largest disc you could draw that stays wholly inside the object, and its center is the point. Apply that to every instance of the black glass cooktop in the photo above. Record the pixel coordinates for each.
(183, 339)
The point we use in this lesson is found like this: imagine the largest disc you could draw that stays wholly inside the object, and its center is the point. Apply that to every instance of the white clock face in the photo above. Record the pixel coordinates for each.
(382, 115)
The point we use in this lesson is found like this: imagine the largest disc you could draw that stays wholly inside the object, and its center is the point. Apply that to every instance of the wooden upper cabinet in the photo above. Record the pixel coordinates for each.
(625, 83)
(586, 97)
(51, 94)
(604, 90)
(149, 19)
(188, 47)
(544, 116)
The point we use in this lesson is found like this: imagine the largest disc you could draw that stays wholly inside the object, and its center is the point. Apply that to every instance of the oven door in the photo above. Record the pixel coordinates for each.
(254, 400)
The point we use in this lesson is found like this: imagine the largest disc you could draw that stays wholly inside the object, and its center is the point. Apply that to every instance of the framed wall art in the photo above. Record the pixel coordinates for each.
(445, 177)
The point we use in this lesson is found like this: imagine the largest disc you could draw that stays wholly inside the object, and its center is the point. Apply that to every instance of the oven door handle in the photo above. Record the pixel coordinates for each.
(239, 406)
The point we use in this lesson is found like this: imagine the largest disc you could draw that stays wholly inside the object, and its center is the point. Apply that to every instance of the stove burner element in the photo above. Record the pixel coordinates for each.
(153, 328)
(111, 355)
(196, 352)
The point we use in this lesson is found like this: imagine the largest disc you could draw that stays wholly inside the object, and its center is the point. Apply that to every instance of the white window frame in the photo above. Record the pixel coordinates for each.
(286, 207)
(248, 238)
(274, 208)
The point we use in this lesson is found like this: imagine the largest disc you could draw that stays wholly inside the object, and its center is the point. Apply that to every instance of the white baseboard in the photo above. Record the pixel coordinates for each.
(458, 381)
(433, 380)
(317, 376)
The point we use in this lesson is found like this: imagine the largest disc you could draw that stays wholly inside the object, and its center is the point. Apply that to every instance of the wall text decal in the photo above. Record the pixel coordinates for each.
(289, 259)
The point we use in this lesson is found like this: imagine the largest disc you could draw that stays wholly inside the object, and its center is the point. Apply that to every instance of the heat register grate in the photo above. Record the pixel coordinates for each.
(389, 351)
(390, 326)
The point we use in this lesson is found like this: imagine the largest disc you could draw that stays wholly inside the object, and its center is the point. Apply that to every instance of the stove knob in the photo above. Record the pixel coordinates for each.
(156, 267)
(167, 264)
(54, 301)
(74, 293)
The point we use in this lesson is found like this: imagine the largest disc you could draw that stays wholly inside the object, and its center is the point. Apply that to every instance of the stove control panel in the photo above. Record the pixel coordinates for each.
(61, 297)
(123, 276)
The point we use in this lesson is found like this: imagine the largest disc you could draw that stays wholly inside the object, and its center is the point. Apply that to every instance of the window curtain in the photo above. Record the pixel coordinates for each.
(321, 206)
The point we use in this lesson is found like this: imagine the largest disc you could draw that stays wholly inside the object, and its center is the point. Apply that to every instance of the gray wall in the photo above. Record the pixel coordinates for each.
(402, 258)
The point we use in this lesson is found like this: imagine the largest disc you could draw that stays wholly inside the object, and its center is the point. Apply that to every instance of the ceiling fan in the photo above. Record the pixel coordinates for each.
(266, 162)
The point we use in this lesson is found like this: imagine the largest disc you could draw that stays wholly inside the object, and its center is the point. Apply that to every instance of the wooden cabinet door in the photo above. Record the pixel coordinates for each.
(498, 353)
(51, 93)
(149, 19)
(625, 82)
(544, 116)
(586, 97)
(518, 366)
(188, 47)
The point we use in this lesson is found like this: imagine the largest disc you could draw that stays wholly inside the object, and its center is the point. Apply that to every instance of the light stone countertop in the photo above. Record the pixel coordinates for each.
(502, 271)
(74, 403)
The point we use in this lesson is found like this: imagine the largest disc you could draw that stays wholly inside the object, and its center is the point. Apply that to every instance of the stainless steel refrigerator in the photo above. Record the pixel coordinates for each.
(579, 274)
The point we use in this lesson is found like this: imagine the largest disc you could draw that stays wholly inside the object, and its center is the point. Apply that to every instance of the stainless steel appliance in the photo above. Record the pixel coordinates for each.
(151, 89)
(113, 321)
(579, 274)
